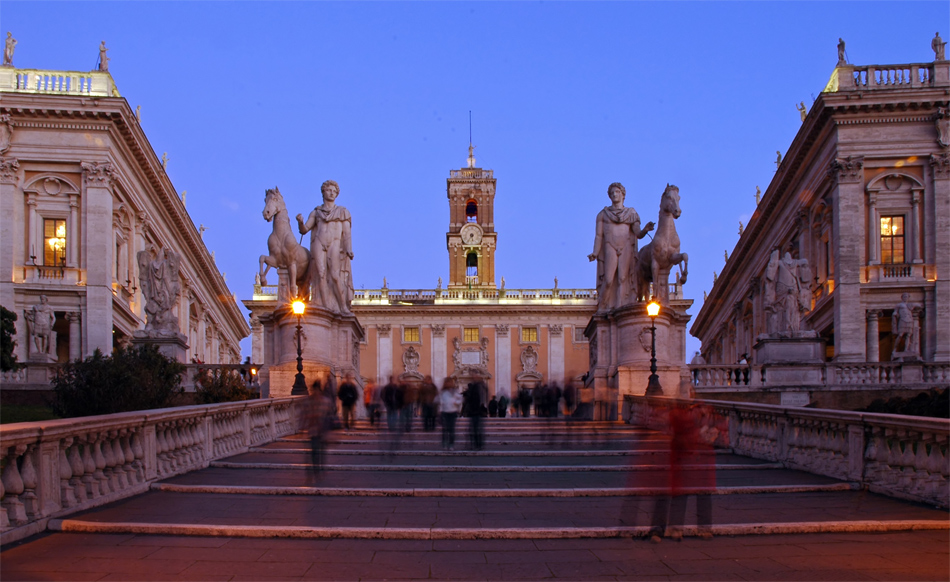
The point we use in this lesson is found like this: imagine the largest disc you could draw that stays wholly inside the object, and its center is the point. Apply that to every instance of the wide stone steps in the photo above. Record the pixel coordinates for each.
(536, 479)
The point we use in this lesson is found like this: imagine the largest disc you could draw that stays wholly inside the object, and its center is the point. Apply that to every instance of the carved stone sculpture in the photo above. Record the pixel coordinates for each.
(331, 250)
(103, 59)
(787, 295)
(161, 283)
(284, 250)
(937, 44)
(842, 60)
(470, 362)
(659, 255)
(8, 49)
(904, 326)
(529, 359)
(802, 110)
(410, 360)
(39, 323)
(615, 250)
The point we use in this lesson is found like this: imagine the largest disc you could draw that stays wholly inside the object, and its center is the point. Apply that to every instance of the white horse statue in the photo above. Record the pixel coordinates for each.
(285, 251)
(657, 258)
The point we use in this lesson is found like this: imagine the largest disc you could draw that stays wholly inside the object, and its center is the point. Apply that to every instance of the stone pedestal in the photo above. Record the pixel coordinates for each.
(791, 361)
(172, 345)
(620, 353)
(329, 342)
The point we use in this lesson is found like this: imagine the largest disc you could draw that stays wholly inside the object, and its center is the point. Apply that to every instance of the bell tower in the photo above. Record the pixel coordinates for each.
(471, 237)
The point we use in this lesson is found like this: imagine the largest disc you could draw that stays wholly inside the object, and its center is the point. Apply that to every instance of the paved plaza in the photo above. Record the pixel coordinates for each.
(543, 500)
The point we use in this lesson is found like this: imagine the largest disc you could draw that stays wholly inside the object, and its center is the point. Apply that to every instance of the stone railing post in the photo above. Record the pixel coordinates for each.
(856, 446)
(911, 373)
(48, 489)
(151, 452)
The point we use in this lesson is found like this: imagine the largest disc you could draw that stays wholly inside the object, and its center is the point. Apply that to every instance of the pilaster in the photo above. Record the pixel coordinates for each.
(98, 243)
(556, 352)
(938, 318)
(384, 352)
(75, 339)
(848, 200)
(10, 204)
(873, 339)
(502, 361)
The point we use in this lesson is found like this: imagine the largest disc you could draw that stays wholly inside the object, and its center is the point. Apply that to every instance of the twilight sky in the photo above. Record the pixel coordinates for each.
(566, 97)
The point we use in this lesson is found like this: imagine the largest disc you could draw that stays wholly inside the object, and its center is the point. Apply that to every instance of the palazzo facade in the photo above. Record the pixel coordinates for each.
(81, 194)
(863, 193)
(474, 325)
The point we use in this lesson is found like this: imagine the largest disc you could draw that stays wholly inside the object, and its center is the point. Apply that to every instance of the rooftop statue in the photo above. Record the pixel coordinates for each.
(161, 283)
(615, 250)
(331, 250)
(284, 252)
(802, 110)
(8, 49)
(842, 59)
(658, 257)
(103, 59)
(937, 44)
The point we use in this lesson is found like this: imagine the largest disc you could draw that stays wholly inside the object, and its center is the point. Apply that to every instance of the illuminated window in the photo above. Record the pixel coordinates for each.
(471, 211)
(410, 334)
(54, 242)
(892, 239)
(529, 335)
(470, 335)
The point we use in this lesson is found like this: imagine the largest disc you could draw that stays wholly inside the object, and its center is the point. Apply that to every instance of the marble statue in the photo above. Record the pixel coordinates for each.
(802, 110)
(103, 59)
(758, 195)
(164, 160)
(331, 250)
(440, 283)
(937, 44)
(457, 352)
(39, 324)
(503, 283)
(160, 279)
(659, 255)
(778, 159)
(842, 60)
(138, 113)
(904, 328)
(555, 283)
(787, 294)
(615, 250)
(483, 349)
(8, 49)
(284, 252)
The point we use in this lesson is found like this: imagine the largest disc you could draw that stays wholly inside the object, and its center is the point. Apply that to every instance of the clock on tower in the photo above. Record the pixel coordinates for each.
(471, 237)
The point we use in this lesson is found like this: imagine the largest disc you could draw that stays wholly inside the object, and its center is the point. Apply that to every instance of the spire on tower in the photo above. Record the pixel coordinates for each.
(471, 148)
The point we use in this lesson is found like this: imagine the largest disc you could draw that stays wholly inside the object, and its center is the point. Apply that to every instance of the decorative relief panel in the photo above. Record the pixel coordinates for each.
(847, 170)
(98, 173)
(8, 170)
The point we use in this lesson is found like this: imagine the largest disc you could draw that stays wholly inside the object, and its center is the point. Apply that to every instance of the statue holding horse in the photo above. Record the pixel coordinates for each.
(657, 258)
(285, 252)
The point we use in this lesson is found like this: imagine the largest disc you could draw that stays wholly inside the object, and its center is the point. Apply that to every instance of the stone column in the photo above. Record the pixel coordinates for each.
(874, 347)
(384, 352)
(437, 354)
(556, 353)
(848, 200)
(72, 250)
(503, 377)
(874, 229)
(938, 318)
(75, 340)
(11, 209)
(915, 257)
(257, 340)
(97, 201)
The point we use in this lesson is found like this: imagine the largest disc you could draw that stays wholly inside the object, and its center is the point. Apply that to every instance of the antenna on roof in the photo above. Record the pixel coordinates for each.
(471, 148)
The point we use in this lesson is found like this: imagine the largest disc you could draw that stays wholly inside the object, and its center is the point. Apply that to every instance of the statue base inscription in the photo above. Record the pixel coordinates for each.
(329, 342)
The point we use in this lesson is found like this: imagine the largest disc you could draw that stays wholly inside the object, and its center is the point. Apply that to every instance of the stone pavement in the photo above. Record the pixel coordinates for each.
(543, 500)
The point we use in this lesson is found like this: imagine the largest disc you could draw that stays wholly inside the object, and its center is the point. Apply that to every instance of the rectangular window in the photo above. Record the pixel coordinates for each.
(529, 335)
(892, 240)
(470, 335)
(54, 242)
(579, 335)
(410, 334)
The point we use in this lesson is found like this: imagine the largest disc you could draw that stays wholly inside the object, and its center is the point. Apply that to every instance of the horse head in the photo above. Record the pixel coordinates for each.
(273, 203)
(670, 201)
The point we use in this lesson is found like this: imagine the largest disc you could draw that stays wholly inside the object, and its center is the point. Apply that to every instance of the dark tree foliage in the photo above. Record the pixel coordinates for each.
(213, 386)
(933, 403)
(135, 378)
(7, 333)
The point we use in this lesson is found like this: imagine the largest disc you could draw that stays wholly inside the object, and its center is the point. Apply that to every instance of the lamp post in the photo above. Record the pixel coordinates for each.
(653, 386)
(300, 383)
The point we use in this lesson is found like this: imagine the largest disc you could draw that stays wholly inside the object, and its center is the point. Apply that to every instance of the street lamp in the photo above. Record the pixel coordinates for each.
(653, 386)
(300, 383)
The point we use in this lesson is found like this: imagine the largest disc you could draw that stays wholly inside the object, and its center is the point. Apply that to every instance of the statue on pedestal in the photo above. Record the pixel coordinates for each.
(284, 250)
(161, 283)
(331, 281)
(937, 44)
(659, 255)
(787, 295)
(615, 250)
(8, 49)
(39, 324)
(904, 326)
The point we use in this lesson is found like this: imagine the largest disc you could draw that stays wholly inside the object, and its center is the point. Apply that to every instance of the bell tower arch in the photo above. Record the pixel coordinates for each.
(471, 237)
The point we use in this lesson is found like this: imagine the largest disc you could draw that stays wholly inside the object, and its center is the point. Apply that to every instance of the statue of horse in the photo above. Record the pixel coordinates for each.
(657, 258)
(285, 251)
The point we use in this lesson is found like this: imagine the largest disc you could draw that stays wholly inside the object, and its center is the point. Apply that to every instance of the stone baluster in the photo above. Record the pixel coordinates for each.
(13, 485)
(118, 461)
(28, 473)
(100, 460)
(128, 456)
(66, 493)
(161, 449)
(139, 453)
(108, 471)
(89, 468)
(4, 520)
(80, 493)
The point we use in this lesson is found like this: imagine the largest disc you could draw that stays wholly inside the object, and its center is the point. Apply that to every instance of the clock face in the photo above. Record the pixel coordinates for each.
(471, 234)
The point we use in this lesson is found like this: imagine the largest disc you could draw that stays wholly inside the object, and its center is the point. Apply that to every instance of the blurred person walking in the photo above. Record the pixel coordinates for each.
(427, 397)
(450, 402)
(371, 402)
(318, 426)
(348, 396)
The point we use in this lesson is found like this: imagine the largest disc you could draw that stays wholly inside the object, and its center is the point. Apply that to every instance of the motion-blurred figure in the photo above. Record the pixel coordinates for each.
(450, 402)
(475, 398)
(371, 402)
(318, 425)
(348, 397)
(427, 396)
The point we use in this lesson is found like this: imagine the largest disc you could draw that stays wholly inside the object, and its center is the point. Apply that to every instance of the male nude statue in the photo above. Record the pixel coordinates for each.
(615, 250)
(330, 252)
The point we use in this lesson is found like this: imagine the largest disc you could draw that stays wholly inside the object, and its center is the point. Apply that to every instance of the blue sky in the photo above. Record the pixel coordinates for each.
(566, 97)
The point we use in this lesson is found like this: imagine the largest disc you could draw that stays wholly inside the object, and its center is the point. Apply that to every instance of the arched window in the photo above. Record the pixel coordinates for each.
(471, 211)
(471, 265)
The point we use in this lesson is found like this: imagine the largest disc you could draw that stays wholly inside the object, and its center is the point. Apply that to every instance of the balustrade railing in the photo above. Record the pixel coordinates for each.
(893, 76)
(54, 468)
(90, 84)
(858, 374)
(901, 456)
